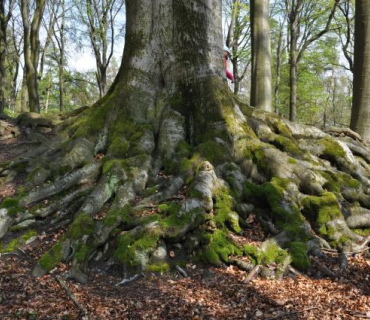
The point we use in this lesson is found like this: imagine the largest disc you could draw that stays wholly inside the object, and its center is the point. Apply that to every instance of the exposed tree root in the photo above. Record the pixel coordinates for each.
(309, 190)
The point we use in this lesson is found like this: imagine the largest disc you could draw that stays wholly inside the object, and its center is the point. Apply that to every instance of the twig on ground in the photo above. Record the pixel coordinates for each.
(129, 280)
(182, 272)
(73, 298)
(285, 314)
(359, 314)
(325, 269)
(254, 273)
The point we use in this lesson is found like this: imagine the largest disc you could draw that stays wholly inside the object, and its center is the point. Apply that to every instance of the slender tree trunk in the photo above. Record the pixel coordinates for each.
(31, 50)
(24, 94)
(360, 117)
(278, 71)
(230, 33)
(261, 95)
(61, 61)
(293, 70)
(2, 70)
(4, 19)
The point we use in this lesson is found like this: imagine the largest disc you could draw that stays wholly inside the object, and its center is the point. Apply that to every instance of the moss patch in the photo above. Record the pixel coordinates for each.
(332, 149)
(52, 258)
(82, 225)
(298, 251)
(322, 209)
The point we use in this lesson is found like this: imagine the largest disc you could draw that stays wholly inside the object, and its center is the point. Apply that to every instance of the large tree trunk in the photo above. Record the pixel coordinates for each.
(261, 95)
(170, 109)
(360, 117)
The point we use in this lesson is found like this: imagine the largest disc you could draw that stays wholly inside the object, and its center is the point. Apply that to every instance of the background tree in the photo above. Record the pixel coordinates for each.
(307, 23)
(6, 8)
(261, 94)
(360, 117)
(31, 26)
(238, 39)
(99, 19)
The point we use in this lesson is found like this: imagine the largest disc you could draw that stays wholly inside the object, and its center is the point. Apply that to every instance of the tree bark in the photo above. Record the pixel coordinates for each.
(32, 50)
(360, 117)
(4, 19)
(261, 94)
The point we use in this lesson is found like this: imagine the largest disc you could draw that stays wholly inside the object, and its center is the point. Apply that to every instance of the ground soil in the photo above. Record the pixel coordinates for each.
(208, 293)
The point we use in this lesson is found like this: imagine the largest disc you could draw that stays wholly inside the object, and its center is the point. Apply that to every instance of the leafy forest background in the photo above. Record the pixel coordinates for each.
(81, 44)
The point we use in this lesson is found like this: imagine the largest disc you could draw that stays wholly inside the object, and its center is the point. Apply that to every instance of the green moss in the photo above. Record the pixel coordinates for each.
(287, 145)
(170, 208)
(362, 232)
(336, 181)
(292, 161)
(82, 253)
(160, 267)
(280, 127)
(224, 210)
(322, 209)
(273, 254)
(172, 224)
(119, 147)
(213, 152)
(332, 149)
(252, 253)
(10, 203)
(125, 214)
(18, 242)
(218, 247)
(286, 217)
(298, 251)
(28, 235)
(129, 248)
(52, 258)
(82, 225)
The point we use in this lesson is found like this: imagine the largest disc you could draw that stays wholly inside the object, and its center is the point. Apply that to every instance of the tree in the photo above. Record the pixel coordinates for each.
(59, 35)
(5, 16)
(304, 28)
(238, 39)
(99, 18)
(169, 129)
(261, 95)
(360, 116)
(32, 49)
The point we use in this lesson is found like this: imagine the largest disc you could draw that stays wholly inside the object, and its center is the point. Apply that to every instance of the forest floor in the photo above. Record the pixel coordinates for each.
(208, 293)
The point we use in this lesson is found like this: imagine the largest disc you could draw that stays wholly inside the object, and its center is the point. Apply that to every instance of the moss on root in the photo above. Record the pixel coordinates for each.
(52, 258)
(287, 145)
(336, 181)
(217, 247)
(18, 242)
(132, 250)
(322, 209)
(12, 205)
(82, 225)
(298, 251)
(225, 216)
(332, 149)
